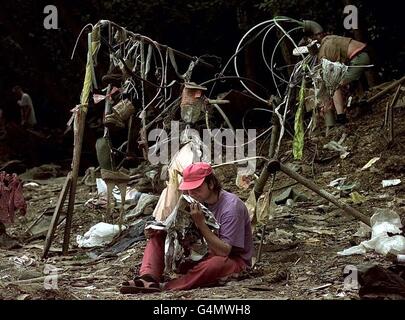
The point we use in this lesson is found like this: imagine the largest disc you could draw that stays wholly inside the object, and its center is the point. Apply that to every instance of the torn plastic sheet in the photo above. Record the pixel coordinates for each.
(332, 74)
(194, 150)
(127, 239)
(132, 196)
(337, 146)
(144, 201)
(99, 235)
(337, 182)
(183, 240)
(383, 223)
(23, 261)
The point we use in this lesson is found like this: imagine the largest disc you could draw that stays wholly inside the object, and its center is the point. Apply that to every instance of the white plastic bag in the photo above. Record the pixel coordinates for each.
(99, 235)
(384, 221)
(132, 195)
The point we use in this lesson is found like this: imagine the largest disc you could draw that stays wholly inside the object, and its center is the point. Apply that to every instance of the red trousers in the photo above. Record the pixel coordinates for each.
(205, 273)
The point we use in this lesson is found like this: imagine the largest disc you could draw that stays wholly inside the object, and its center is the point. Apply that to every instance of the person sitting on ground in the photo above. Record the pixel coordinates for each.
(28, 118)
(230, 251)
(349, 52)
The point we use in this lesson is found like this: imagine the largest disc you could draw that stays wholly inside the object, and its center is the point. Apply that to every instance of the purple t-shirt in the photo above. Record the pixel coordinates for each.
(235, 229)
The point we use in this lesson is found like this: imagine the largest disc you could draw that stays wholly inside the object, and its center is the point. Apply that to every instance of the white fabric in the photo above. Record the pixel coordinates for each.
(26, 101)
(332, 74)
(187, 155)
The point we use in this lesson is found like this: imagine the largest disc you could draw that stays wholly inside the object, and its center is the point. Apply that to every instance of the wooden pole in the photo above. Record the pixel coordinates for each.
(80, 112)
(56, 215)
(259, 252)
(391, 115)
(387, 89)
(132, 143)
(275, 165)
(264, 175)
(80, 117)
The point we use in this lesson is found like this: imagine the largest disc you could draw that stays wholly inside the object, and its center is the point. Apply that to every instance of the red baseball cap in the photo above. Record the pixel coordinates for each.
(194, 175)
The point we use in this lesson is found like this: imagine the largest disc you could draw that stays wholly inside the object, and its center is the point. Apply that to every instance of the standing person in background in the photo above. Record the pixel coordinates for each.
(28, 118)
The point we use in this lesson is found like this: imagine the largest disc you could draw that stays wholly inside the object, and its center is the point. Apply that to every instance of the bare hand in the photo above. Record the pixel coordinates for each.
(197, 214)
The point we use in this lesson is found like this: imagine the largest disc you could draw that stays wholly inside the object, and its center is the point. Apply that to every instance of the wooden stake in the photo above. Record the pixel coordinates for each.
(391, 116)
(275, 165)
(56, 215)
(264, 175)
(80, 118)
(387, 89)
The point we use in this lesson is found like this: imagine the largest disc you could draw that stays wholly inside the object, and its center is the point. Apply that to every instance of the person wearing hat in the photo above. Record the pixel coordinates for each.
(336, 48)
(230, 251)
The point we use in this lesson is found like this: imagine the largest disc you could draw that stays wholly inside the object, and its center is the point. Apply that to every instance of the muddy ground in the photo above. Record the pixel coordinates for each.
(299, 256)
